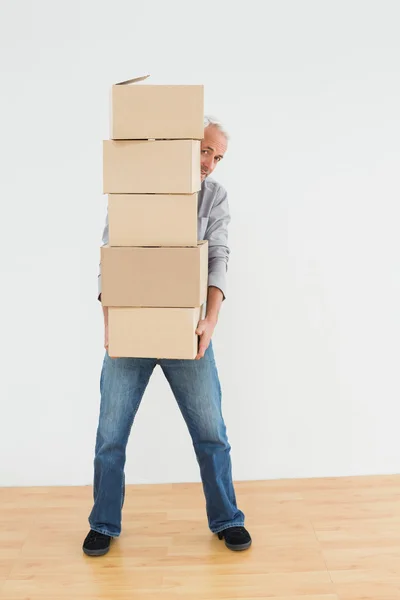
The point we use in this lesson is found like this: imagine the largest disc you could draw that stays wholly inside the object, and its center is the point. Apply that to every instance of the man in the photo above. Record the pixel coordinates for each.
(194, 383)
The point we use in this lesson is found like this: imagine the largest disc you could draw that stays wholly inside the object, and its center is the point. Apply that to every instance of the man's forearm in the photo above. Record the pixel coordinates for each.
(214, 302)
(206, 326)
(105, 313)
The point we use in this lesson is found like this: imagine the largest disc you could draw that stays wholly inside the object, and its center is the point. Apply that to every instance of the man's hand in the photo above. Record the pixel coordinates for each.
(205, 330)
(106, 337)
(105, 312)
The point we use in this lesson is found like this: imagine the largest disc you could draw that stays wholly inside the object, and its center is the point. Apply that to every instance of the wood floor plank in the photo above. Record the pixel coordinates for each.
(257, 585)
(333, 534)
(368, 590)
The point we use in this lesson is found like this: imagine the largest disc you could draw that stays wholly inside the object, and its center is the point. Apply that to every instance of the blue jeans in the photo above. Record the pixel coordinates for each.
(196, 387)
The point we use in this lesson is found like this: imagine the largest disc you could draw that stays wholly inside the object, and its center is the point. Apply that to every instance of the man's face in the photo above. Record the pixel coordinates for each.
(213, 148)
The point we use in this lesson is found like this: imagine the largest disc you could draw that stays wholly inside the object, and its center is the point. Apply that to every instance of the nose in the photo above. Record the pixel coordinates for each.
(207, 162)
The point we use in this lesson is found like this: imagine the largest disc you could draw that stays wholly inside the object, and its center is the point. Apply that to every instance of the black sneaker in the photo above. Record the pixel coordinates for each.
(236, 538)
(96, 544)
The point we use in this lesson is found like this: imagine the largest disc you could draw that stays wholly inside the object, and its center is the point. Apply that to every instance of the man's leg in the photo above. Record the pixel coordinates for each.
(122, 385)
(197, 389)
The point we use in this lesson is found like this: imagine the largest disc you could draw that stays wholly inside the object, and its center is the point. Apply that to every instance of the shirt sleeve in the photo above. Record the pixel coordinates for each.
(104, 240)
(217, 236)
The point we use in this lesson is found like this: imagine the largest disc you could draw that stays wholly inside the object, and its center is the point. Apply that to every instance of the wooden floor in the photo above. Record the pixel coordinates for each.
(320, 539)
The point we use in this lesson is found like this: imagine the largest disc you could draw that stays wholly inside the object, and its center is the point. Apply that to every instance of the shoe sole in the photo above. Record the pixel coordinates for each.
(237, 547)
(95, 552)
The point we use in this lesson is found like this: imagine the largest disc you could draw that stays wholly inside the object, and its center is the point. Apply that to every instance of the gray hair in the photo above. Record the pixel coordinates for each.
(208, 120)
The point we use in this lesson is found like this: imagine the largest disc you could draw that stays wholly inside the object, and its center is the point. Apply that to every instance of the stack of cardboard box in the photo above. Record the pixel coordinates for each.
(154, 269)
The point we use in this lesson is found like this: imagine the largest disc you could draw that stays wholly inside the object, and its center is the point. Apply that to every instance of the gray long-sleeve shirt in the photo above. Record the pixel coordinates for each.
(212, 224)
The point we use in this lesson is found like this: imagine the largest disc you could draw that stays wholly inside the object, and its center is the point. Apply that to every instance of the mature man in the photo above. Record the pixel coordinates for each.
(194, 383)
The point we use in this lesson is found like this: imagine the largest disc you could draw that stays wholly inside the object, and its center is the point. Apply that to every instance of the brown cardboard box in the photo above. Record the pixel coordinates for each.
(142, 112)
(152, 219)
(153, 332)
(151, 167)
(154, 277)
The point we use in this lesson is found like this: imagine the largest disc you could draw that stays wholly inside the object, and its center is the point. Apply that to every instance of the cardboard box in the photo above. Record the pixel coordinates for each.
(151, 167)
(154, 277)
(152, 219)
(153, 332)
(142, 112)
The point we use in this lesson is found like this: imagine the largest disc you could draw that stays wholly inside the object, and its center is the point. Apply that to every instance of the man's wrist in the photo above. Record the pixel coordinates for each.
(214, 301)
(212, 319)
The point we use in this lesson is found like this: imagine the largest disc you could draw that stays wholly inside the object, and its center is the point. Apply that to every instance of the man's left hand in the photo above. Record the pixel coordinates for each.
(205, 330)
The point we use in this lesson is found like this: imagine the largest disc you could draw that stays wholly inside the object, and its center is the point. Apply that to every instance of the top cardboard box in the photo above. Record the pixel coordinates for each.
(142, 112)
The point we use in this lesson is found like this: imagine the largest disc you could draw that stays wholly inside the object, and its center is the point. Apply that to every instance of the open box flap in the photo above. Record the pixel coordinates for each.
(135, 80)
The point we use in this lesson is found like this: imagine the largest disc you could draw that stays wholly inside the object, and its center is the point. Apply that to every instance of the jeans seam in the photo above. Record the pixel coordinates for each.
(104, 531)
(238, 524)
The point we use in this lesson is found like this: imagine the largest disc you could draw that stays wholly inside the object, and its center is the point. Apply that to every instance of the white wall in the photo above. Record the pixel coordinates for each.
(308, 342)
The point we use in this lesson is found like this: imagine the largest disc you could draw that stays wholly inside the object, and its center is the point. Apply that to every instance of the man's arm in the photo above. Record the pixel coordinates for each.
(214, 302)
(104, 241)
(205, 328)
(217, 236)
(105, 308)
(105, 314)
(218, 256)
